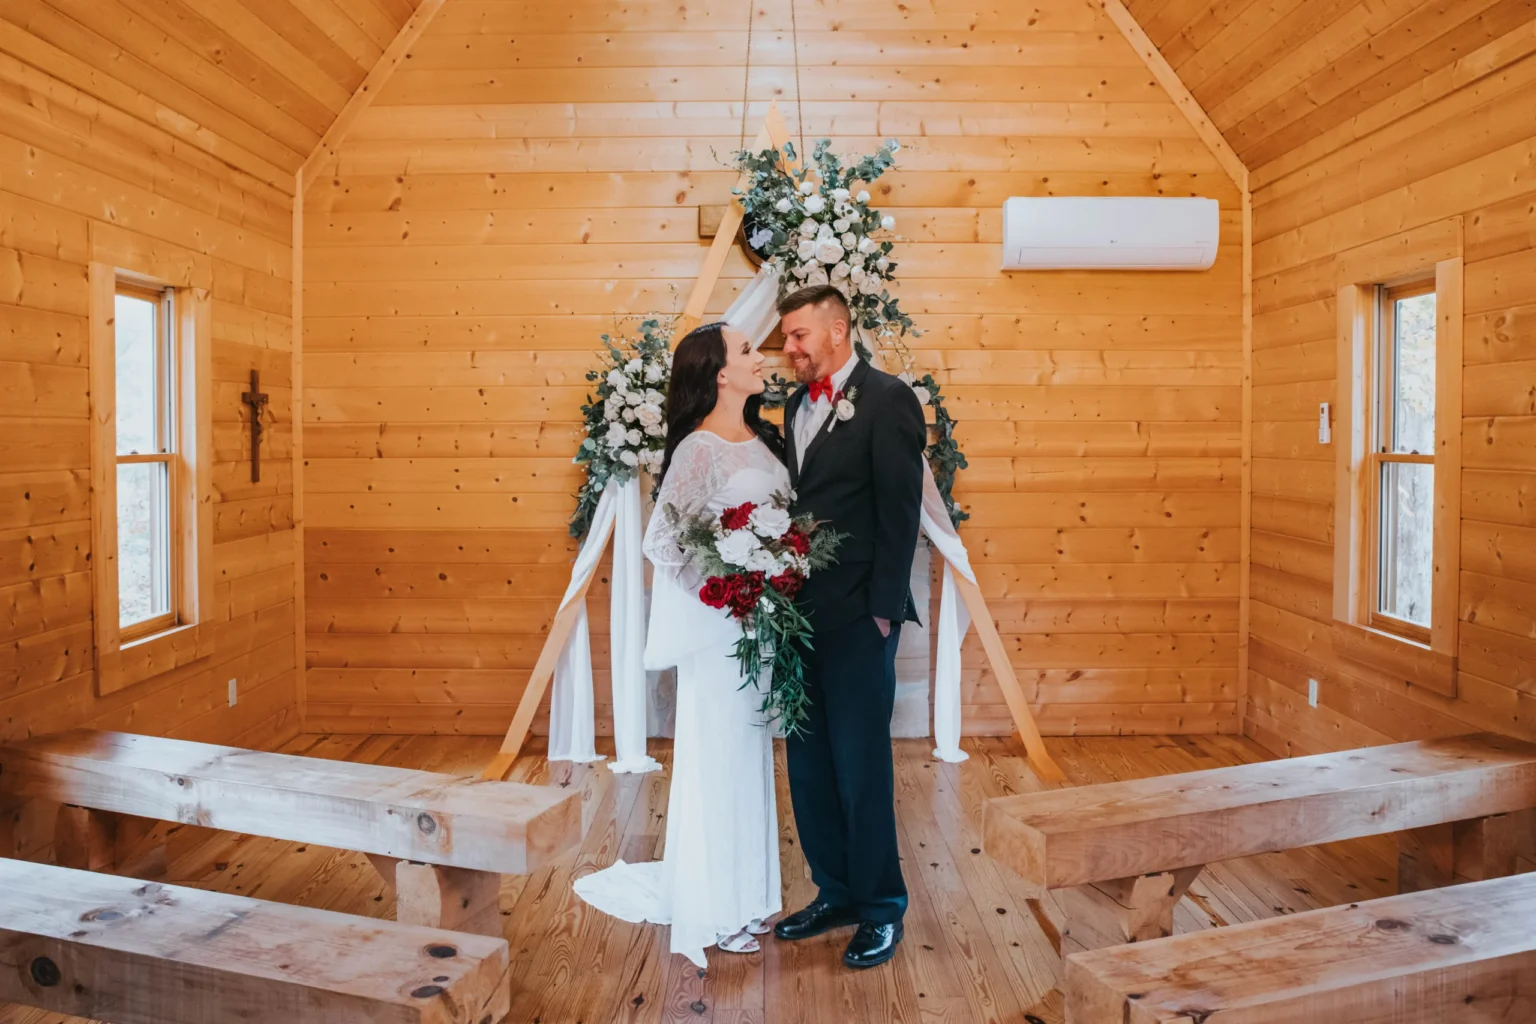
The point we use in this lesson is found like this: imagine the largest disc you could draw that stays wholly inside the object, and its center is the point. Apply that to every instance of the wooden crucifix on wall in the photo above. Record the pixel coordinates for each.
(775, 133)
(258, 402)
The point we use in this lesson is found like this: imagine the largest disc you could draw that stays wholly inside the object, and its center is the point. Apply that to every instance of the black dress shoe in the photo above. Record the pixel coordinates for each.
(815, 919)
(873, 944)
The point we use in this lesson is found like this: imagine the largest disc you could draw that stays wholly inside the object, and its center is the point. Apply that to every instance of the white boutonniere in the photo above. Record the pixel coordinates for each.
(843, 407)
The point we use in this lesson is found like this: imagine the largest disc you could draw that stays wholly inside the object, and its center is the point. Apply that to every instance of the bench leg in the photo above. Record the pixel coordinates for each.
(458, 899)
(113, 843)
(85, 839)
(1122, 910)
(1462, 851)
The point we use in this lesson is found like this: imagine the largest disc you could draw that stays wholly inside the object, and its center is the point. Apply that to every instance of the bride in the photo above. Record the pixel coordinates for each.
(718, 879)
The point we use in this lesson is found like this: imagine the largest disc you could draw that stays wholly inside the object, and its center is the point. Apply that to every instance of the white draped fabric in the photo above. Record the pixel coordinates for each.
(572, 710)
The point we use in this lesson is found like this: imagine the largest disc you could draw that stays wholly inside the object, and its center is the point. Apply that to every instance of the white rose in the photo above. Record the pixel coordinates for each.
(653, 373)
(808, 228)
(654, 397)
(845, 410)
(840, 271)
(871, 286)
(616, 436)
(849, 240)
(840, 225)
(921, 393)
(761, 560)
(868, 245)
(806, 250)
(648, 414)
(829, 251)
(769, 521)
(783, 205)
(863, 196)
(806, 188)
(634, 437)
(628, 458)
(801, 270)
(632, 367)
(856, 275)
(906, 377)
(617, 380)
(842, 286)
(816, 277)
(840, 194)
(633, 397)
(629, 415)
(888, 222)
(814, 205)
(737, 546)
(882, 264)
(654, 430)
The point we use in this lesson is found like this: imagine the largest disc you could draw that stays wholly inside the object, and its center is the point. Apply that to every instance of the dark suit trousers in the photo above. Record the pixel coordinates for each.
(841, 779)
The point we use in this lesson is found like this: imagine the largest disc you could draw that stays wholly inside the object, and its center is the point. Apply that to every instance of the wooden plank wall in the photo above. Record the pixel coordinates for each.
(1458, 141)
(88, 165)
(535, 168)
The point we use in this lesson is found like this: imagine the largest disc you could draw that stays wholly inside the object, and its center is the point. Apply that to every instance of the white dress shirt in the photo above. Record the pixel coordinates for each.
(811, 416)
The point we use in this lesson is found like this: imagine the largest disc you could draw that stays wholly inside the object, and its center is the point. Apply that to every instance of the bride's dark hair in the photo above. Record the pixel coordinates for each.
(694, 389)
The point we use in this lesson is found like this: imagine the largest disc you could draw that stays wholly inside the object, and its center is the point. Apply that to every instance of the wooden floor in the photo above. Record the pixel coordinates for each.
(973, 950)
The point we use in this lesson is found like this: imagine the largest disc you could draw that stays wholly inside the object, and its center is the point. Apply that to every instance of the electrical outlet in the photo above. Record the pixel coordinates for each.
(1312, 692)
(1324, 429)
(233, 692)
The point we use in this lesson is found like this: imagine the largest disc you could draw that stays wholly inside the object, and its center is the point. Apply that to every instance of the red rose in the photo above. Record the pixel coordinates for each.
(787, 583)
(796, 541)
(716, 591)
(736, 518)
(748, 588)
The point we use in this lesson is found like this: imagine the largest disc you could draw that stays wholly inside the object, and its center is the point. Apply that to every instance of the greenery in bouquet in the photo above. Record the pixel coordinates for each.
(754, 559)
(816, 225)
(625, 422)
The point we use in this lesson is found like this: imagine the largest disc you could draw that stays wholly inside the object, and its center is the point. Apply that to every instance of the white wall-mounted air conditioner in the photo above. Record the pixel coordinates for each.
(1109, 233)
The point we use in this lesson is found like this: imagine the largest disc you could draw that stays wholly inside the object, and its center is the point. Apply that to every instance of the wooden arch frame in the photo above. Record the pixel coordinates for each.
(774, 133)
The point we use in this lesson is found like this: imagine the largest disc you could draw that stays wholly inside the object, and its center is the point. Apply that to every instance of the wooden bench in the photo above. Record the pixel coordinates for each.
(1120, 856)
(133, 952)
(1462, 954)
(441, 840)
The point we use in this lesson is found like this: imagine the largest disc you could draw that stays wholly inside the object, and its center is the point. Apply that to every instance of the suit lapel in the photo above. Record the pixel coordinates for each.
(855, 379)
(791, 410)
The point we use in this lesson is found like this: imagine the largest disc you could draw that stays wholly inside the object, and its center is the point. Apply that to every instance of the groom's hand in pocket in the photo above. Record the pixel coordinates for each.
(884, 625)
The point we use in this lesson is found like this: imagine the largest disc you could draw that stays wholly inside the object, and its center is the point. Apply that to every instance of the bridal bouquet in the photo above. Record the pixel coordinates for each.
(755, 558)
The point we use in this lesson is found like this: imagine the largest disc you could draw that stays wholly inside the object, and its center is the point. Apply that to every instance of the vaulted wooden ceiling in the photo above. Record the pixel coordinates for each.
(1274, 75)
(254, 83)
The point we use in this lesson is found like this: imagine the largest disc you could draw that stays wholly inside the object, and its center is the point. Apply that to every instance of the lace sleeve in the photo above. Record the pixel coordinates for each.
(694, 477)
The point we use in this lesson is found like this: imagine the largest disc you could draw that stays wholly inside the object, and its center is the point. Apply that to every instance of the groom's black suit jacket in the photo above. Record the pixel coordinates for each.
(863, 477)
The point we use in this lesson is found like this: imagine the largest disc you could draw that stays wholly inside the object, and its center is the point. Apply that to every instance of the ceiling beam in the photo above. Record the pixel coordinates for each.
(1174, 87)
(326, 149)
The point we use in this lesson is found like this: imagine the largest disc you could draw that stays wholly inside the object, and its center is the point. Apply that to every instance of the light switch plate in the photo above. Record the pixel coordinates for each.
(1324, 431)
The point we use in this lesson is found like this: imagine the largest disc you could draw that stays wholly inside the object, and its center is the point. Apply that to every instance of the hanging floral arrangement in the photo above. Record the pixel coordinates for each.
(625, 422)
(816, 225)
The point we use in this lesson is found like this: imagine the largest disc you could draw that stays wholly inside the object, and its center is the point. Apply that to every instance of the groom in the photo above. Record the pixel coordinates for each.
(855, 441)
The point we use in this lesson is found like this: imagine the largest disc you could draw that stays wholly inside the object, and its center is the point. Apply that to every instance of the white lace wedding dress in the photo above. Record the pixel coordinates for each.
(720, 867)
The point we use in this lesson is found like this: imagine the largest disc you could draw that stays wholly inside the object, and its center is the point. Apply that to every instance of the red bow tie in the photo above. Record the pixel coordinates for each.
(823, 387)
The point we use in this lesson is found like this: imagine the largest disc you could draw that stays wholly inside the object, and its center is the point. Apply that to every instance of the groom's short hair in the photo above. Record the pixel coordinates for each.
(817, 295)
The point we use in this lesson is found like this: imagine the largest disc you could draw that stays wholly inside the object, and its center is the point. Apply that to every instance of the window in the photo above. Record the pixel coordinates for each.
(147, 534)
(1397, 438)
(151, 454)
(1403, 461)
